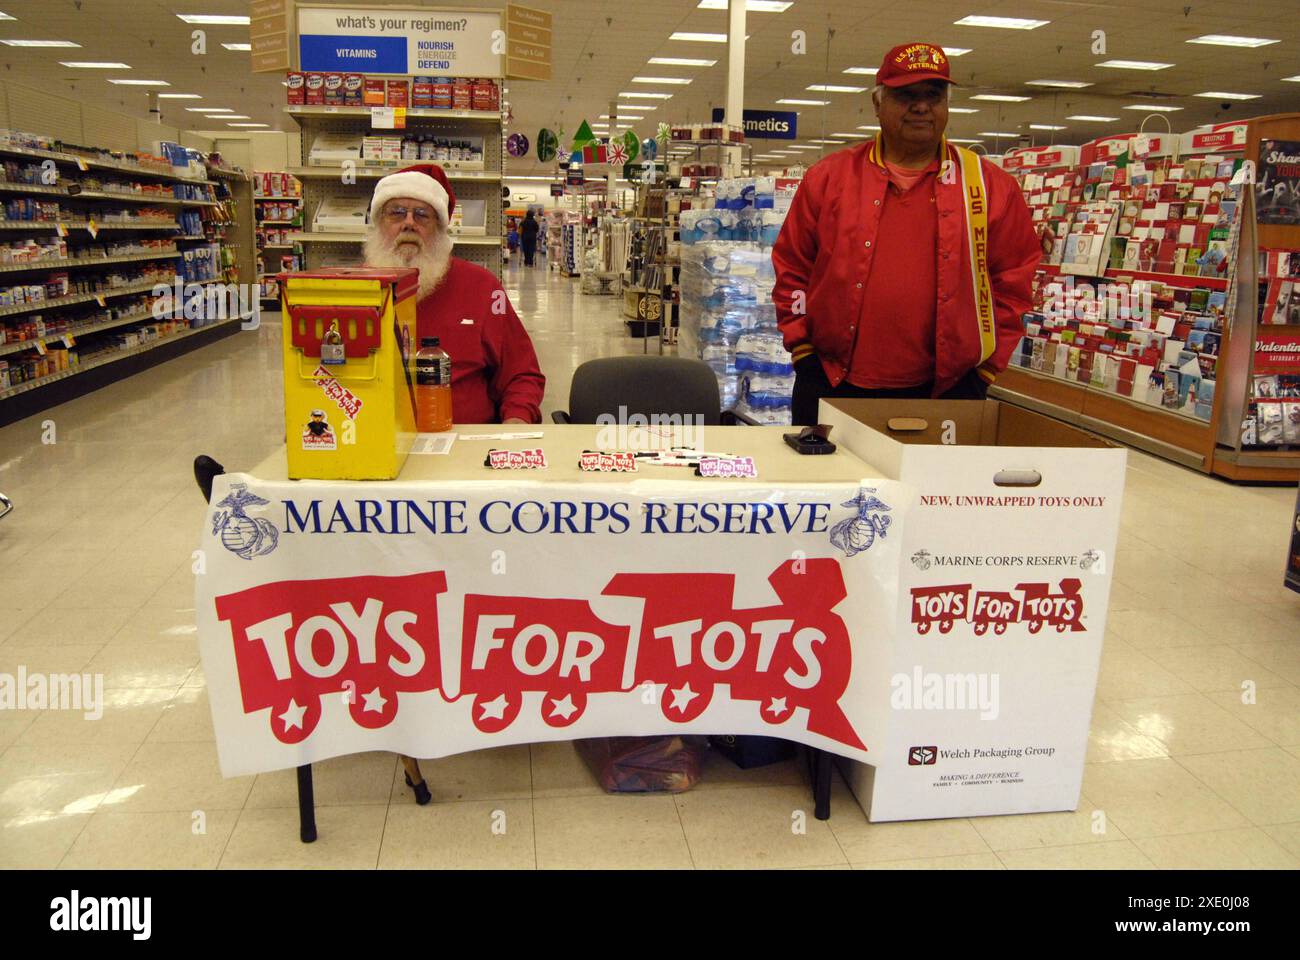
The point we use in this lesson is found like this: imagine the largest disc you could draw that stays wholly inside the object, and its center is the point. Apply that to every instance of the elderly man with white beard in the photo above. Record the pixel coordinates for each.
(494, 373)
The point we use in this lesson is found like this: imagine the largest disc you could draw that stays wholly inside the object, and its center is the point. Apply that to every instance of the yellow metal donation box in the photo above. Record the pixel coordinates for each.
(349, 400)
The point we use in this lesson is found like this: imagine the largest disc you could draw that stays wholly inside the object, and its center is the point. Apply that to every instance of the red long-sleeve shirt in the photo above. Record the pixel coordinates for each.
(494, 370)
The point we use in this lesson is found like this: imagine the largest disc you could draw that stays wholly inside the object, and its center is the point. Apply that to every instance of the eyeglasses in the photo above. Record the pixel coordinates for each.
(423, 215)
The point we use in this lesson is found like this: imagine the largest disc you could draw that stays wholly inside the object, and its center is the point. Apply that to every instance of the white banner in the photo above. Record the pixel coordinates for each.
(431, 620)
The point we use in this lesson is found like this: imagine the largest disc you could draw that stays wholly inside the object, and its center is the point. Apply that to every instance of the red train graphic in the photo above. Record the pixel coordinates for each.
(1036, 606)
(298, 641)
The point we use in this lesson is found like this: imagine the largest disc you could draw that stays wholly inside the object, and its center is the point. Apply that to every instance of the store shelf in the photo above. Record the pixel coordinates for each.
(412, 113)
(87, 163)
(85, 261)
(374, 173)
(56, 302)
(47, 191)
(104, 359)
(459, 239)
(1178, 280)
(258, 196)
(19, 345)
(276, 246)
(277, 223)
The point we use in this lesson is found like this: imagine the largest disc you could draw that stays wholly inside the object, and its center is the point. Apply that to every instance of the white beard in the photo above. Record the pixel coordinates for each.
(432, 259)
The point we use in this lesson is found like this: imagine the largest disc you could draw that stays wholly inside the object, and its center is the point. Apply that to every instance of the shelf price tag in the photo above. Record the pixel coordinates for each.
(93, 228)
(388, 118)
(81, 165)
(40, 347)
(99, 299)
(69, 341)
(61, 229)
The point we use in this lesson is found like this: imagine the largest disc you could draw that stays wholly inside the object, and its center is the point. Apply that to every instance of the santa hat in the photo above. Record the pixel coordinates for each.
(423, 181)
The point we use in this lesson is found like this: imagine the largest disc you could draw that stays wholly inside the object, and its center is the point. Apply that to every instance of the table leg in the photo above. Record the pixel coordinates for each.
(821, 784)
(306, 805)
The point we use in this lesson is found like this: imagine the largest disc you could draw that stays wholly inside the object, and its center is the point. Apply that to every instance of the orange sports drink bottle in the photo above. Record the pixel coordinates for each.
(432, 387)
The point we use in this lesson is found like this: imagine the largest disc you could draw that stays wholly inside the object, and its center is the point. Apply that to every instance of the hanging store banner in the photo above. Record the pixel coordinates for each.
(400, 40)
(343, 618)
(268, 32)
(766, 124)
(528, 54)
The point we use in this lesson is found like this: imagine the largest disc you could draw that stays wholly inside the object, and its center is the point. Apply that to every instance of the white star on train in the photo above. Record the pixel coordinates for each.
(777, 706)
(495, 709)
(374, 701)
(682, 697)
(564, 708)
(292, 715)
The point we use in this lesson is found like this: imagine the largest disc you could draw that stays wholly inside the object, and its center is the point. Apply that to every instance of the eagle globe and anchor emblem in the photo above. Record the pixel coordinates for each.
(242, 535)
(859, 532)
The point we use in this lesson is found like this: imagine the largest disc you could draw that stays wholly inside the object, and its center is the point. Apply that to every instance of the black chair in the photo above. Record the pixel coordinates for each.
(620, 387)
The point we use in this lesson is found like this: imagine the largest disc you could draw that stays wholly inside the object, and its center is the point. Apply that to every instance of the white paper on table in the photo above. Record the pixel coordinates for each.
(535, 435)
(432, 443)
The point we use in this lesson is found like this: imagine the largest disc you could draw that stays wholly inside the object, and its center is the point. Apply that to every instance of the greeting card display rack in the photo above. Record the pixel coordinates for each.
(1154, 344)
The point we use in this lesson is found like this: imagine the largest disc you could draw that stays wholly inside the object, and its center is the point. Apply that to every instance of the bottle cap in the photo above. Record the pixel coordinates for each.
(428, 341)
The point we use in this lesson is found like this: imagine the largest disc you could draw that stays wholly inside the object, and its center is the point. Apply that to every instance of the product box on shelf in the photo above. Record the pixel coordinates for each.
(441, 93)
(461, 95)
(373, 92)
(353, 89)
(422, 92)
(334, 89)
(485, 95)
(1002, 603)
(398, 93)
(295, 82)
(314, 89)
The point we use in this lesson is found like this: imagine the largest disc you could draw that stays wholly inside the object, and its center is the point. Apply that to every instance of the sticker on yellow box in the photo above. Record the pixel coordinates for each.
(348, 401)
(318, 435)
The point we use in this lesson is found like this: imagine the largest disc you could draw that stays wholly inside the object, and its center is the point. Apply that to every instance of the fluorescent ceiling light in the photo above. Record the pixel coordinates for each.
(208, 110)
(994, 133)
(141, 83)
(837, 143)
(1064, 84)
(868, 128)
(40, 43)
(960, 140)
(753, 6)
(212, 20)
(1295, 79)
(1001, 23)
(95, 65)
(1000, 98)
(831, 88)
(231, 116)
(963, 110)
(1154, 107)
(700, 37)
(246, 124)
(179, 96)
(637, 106)
(864, 71)
(238, 46)
(1134, 65)
(1220, 95)
(956, 51)
(680, 81)
(633, 95)
(856, 136)
(805, 103)
(1227, 40)
(5, 16)
(1089, 117)
(681, 62)
(606, 116)
(1045, 126)
(799, 147)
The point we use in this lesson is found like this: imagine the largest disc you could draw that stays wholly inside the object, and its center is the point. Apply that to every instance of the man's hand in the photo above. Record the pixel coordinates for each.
(513, 420)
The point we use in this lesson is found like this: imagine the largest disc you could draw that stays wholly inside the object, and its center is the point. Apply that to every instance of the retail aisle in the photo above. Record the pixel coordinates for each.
(95, 577)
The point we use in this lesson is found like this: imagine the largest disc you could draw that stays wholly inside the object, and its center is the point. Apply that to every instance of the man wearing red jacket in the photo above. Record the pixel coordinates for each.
(495, 377)
(904, 264)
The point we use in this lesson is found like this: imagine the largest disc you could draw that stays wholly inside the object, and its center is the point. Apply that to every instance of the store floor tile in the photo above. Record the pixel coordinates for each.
(96, 563)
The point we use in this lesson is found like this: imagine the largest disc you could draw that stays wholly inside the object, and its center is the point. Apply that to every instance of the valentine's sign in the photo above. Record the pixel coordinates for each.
(431, 620)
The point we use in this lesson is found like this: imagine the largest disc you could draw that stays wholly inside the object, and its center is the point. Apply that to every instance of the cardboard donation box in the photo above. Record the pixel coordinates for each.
(349, 405)
(1002, 595)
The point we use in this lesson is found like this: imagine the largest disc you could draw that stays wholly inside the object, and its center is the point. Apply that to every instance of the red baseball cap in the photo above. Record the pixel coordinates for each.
(911, 63)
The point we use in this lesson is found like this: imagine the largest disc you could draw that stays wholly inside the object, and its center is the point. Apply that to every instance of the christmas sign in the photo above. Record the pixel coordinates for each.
(432, 620)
